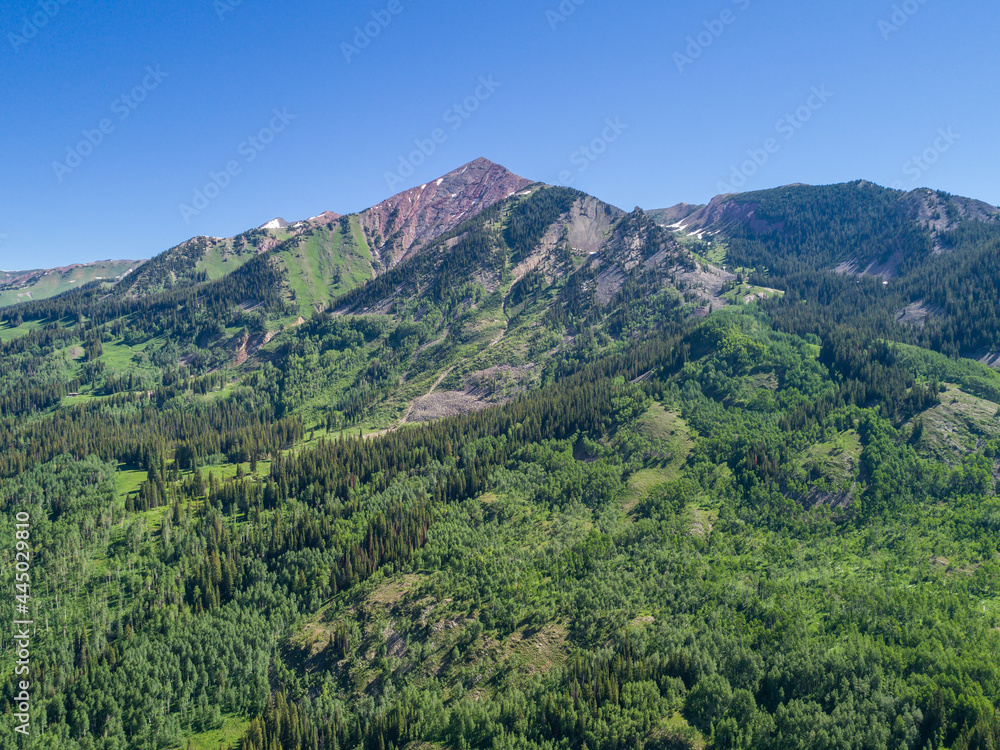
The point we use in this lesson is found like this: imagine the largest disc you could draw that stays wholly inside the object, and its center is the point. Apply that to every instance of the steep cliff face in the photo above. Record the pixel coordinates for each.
(398, 226)
(639, 245)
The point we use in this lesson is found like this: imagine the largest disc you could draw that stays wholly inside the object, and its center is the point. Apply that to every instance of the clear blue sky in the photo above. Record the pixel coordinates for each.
(557, 79)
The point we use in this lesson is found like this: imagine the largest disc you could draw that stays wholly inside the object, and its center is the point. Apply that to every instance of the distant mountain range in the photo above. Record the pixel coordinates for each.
(22, 286)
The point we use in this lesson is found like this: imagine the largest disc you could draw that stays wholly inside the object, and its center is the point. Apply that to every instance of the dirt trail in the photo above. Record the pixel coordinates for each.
(446, 373)
(440, 380)
(499, 338)
(409, 409)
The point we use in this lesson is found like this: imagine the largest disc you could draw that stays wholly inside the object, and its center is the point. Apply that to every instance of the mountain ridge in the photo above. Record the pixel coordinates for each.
(43, 283)
(732, 208)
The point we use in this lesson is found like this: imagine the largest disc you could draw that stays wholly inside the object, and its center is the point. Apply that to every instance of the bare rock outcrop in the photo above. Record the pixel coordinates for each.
(400, 225)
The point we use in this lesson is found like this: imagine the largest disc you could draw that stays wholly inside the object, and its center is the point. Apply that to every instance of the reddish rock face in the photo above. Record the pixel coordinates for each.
(399, 226)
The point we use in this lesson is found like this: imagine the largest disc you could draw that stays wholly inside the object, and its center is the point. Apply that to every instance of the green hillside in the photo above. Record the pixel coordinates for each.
(538, 487)
(325, 263)
(22, 286)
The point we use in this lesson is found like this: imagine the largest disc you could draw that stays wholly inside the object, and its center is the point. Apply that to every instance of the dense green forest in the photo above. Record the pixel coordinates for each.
(949, 272)
(477, 504)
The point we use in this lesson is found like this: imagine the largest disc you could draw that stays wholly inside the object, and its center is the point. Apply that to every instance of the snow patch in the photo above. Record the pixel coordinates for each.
(440, 180)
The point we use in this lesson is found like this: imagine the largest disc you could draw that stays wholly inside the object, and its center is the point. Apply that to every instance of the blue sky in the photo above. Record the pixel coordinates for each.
(130, 126)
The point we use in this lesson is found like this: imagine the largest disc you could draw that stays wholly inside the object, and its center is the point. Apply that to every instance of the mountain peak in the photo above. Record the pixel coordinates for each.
(482, 161)
(277, 223)
(326, 217)
(397, 225)
(478, 173)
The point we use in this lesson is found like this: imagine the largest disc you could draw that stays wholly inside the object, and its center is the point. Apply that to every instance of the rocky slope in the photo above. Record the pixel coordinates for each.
(398, 226)
(724, 211)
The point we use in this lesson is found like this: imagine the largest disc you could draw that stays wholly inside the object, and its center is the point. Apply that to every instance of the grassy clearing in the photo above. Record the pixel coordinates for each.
(117, 356)
(224, 738)
(833, 467)
(843, 444)
(128, 480)
(9, 334)
(80, 399)
(538, 652)
(715, 252)
(669, 435)
(745, 294)
(643, 481)
(958, 426)
(673, 432)
(639, 486)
